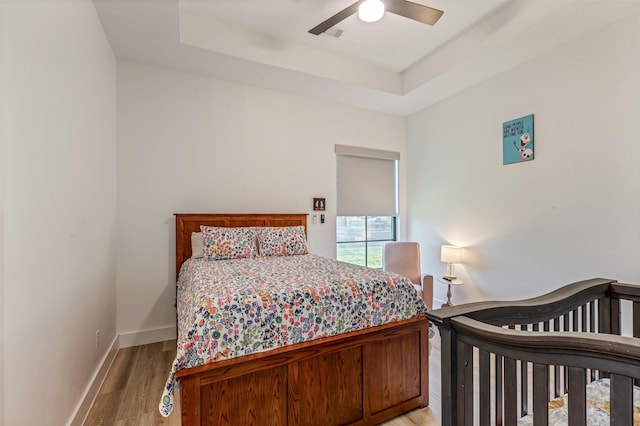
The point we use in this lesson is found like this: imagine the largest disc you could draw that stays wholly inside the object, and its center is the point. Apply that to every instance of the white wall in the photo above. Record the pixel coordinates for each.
(59, 199)
(2, 341)
(570, 214)
(192, 144)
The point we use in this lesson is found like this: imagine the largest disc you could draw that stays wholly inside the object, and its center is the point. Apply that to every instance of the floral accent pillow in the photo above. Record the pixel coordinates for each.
(285, 241)
(228, 243)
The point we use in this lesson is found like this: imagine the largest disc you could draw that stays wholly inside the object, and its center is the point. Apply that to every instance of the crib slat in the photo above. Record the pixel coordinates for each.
(460, 384)
(448, 377)
(604, 322)
(556, 381)
(636, 327)
(524, 388)
(584, 314)
(604, 315)
(546, 326)
(540, 395)
(556, 369)
(615, 316)
(465, 384)
(524, 381)
(484, 361)
(577, 396)
(497, 385)
(636, 319)
(621, 400)
(468, 390)
(565, 327)
(510, 392)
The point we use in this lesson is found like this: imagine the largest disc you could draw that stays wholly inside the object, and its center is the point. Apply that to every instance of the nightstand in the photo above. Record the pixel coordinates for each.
(449, 284)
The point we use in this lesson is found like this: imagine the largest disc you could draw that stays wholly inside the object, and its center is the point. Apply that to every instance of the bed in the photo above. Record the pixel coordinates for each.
(570, 357)
(363, 376)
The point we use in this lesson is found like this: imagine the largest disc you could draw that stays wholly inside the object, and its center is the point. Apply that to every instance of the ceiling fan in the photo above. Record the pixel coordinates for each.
(415, 11)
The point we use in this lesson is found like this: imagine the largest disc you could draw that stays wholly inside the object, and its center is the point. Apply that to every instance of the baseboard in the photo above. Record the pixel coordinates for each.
(82, 410)
(124, 340)
(145, 337)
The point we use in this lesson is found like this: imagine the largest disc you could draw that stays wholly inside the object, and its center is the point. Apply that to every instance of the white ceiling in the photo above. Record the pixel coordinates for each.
(396, 65)
(395, 41)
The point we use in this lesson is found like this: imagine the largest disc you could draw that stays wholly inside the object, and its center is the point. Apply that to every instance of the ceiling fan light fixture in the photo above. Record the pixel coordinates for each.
(371, 10)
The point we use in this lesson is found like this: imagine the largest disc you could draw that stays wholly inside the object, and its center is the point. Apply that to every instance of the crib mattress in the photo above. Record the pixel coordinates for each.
(598, 407)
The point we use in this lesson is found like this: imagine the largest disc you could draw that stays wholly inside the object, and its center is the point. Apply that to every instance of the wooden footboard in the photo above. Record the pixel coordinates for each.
(526, 353)
(360, 378)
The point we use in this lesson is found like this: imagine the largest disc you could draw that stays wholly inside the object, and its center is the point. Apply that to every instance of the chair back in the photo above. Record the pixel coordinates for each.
(403, 258)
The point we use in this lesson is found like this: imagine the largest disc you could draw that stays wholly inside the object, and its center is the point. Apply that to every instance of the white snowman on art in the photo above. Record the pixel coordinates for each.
(522, 146)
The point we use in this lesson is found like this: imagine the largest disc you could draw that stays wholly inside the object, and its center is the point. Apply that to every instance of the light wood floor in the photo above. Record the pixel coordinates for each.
(131, 391)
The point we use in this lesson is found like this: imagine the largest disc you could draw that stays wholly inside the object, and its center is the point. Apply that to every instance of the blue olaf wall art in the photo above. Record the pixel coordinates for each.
(517, 140)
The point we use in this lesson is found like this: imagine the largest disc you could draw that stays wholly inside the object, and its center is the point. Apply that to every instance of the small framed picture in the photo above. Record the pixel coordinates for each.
(517, 140)
(318, 204)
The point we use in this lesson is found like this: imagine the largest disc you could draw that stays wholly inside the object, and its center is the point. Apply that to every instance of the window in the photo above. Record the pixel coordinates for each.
(360, 239)
(367, 204)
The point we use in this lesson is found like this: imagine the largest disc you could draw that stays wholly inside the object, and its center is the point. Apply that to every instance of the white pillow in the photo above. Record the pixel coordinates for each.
(197, 245)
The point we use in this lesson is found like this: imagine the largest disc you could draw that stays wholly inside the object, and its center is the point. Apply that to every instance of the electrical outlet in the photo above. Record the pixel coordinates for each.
(98, 332)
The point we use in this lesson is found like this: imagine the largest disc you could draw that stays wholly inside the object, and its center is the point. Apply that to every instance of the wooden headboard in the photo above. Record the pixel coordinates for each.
(186, 223)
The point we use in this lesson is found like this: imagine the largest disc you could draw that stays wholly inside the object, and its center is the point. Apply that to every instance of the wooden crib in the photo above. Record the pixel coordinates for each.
(505, 361)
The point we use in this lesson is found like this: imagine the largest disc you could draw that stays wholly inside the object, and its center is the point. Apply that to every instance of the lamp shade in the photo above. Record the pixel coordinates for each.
(371, 10)
(451, 254)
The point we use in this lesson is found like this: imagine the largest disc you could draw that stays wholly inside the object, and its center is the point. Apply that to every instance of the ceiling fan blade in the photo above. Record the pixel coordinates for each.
(415, 11)
(338, 17)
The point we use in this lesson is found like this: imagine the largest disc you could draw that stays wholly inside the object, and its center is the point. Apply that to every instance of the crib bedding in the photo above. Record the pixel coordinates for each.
(598, 406)
(230, 308)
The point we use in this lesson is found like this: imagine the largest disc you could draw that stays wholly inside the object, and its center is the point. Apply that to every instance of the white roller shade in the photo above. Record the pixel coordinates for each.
(367, 182)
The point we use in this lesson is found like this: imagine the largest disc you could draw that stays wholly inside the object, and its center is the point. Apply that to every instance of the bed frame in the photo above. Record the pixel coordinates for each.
(363, 377)
(531, 351)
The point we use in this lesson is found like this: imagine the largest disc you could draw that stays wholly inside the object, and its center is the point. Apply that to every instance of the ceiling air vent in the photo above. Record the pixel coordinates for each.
(334, 32)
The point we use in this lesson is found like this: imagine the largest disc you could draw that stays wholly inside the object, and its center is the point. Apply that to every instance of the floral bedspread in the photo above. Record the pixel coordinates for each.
(229, 308)
(598, 406)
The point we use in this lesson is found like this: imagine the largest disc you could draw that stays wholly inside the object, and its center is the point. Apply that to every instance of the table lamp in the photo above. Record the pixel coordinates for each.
(451, 255)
